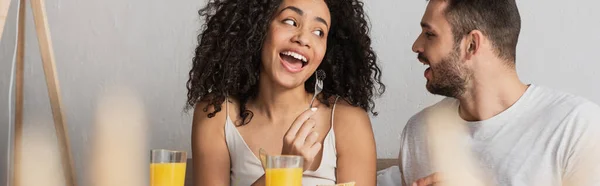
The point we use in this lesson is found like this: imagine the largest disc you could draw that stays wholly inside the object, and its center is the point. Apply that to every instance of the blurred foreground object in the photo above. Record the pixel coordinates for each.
(119, 154)
(449, 152)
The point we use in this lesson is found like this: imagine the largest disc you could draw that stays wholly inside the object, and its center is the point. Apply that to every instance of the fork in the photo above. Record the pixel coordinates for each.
(320, 76)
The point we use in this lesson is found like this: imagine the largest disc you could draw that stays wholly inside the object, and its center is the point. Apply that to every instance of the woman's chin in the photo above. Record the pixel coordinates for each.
(284, 80)
(289, 82)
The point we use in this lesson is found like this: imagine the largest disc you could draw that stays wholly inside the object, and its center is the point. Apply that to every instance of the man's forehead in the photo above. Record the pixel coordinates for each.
(434, 13)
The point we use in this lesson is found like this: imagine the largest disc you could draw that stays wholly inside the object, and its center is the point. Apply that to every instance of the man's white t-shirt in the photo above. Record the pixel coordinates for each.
(543, 139)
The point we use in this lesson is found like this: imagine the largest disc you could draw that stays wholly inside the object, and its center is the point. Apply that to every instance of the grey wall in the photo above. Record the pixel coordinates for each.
(144, 44)
(147, 45)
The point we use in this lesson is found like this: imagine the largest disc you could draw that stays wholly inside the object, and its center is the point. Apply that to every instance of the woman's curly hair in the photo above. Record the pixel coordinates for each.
(228, 58)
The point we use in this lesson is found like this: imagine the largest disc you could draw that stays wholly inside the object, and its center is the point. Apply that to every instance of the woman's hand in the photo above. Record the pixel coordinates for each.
(301, 140)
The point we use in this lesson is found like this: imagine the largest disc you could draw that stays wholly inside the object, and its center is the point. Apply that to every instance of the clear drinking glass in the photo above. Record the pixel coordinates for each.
(167, 167)
(284, 170)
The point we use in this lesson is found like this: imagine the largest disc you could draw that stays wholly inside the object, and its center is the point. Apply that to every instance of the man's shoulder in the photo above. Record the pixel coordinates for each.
(580, 112)
(582, 107)
(573, 115)
(560, 103)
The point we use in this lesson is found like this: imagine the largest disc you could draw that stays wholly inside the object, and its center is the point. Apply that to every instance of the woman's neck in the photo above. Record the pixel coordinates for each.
(274, 101)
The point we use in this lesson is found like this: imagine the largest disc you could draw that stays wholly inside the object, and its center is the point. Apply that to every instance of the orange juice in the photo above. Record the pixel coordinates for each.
(284, 177)
(167, 174)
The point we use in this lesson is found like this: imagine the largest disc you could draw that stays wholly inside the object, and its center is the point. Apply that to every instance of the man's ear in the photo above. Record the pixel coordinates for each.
(473, 43)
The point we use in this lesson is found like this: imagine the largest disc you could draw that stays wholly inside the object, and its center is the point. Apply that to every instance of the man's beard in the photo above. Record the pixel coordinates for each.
(449, 77)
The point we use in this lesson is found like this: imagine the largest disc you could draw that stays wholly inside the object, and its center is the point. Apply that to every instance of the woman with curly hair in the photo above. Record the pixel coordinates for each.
(253, 79)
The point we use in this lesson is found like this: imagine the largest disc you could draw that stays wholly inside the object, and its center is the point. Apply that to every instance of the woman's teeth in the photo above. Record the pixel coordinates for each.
(295, 55)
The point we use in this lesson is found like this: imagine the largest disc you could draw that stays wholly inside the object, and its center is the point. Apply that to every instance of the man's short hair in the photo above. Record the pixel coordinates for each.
(499, 20)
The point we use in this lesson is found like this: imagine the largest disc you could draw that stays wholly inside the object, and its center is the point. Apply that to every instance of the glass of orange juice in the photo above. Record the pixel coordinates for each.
(167, 167)
(284, 170)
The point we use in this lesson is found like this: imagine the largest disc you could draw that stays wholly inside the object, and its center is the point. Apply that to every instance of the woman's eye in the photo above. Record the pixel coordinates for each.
(290, 22)
(319, 33)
